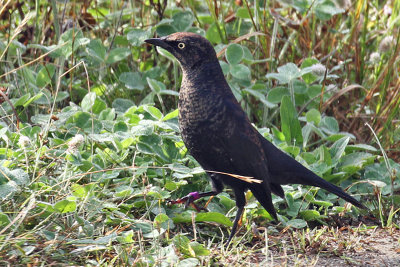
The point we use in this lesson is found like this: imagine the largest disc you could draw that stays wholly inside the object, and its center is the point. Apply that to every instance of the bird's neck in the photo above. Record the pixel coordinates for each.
(207, 76)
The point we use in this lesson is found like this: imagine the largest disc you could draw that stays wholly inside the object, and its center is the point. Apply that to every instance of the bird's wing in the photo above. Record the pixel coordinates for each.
(243, 145)
(245, 150)
(252, 155)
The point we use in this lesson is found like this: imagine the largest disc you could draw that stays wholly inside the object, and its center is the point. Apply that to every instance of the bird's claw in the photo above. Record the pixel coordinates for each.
(188, 200)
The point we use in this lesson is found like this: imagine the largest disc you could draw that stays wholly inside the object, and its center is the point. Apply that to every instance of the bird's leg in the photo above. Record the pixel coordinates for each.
(235, 223)
(188, 200)
(191, 197)
(240, 202)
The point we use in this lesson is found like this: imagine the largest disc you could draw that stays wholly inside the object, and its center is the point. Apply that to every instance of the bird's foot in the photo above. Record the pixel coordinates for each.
(188, 200)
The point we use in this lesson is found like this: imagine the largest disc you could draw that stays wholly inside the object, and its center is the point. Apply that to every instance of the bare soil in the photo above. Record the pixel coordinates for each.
(343, 247)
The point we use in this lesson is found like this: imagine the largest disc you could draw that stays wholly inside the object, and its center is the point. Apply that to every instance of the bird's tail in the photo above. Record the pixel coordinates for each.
(314, 180)
(263, 195)
(290, 171)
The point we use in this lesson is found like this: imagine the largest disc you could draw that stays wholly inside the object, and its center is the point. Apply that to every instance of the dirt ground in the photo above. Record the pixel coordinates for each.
(369, 247)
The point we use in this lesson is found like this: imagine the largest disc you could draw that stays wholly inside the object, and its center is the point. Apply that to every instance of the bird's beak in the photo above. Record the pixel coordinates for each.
(157, 42)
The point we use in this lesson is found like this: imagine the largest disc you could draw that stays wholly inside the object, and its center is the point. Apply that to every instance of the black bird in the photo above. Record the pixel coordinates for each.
(218, 134)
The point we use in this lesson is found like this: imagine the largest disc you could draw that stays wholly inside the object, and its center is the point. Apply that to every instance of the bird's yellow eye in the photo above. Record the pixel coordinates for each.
(181, 45)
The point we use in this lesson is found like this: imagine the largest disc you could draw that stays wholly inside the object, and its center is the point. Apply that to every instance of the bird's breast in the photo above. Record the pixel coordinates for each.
(202, 119)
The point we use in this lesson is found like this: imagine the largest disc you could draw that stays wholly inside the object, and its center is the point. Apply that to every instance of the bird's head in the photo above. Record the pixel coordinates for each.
(191, 50)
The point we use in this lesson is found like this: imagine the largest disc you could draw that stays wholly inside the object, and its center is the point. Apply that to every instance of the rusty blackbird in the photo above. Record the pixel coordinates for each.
(218, 134)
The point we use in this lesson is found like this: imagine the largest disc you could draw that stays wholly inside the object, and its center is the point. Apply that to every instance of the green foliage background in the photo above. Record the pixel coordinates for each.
(90, 146)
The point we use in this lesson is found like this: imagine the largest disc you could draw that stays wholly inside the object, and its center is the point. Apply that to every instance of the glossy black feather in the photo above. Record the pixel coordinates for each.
(221, 138)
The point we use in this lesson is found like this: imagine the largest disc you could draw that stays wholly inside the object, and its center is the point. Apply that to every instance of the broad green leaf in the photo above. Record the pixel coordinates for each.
(309, 77)
(79, 191)
(88, 101)
(355, 161)
(329, 125)
(183, 217)
(21, 101)
(240, 72)
(46, 97)
(197, 30)
(171, 115)
(8, 189)
(46, 206)
(123, 191)
(338, 148)
(162, 221)
(120, 127)
(243, 13)
(107, 114)
(154, 112)
(15, 46)
(126, 237)
(65, 206)
(117, 54)
(122, 104)
(189, 262)
(306, 132)
(234, 54)
(360, 147)
(171, 186)
(99, 89)
(228, 202)
(164, 22)
(182, 21)
(322, 203)
(292, 150)
(99, 106)
(299, 87)
(310, 215)
(4, 220)
(197, 249)
(212, 34)
(279, 135)
(213, 217)
(297, 223)
(260, 96)
(224, 67)
(314, 116)
(286, 73)
(45, 74)
(70, 40)
(80, 119)
(155, 85)
(325, 10)
(181, 243)
(165, 53)
(96, 50)
(165, 29)
(275, 95)
(337, 136)
(103, 240)
(290, 123)
(325, 158)
(132, 80)
(61, 96)
(247, 55)
(17, 176)
(314, 90)
(136, 37)
(154, 233)
(142, 129)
